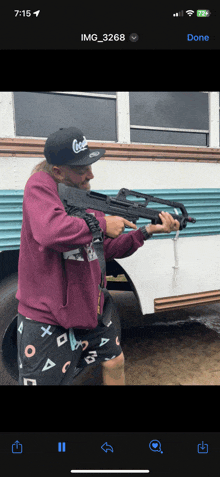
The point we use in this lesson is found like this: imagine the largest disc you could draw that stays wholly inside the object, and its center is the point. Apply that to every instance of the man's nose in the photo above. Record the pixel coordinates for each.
(89, 175)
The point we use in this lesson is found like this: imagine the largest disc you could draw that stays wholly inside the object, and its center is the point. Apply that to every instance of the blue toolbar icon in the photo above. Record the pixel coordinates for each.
(106, 447)
(155, 446)
(202, 448)
(61, 446)
(17, 448)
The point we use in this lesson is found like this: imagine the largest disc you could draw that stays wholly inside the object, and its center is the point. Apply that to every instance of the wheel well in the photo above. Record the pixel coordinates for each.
(8, 263)
(113, 268)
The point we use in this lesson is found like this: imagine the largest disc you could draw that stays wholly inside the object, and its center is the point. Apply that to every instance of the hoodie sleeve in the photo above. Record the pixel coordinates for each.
(49, 224)
(124, 245)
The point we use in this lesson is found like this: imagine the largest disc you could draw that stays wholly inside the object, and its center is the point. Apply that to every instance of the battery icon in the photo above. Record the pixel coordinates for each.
(203, 13)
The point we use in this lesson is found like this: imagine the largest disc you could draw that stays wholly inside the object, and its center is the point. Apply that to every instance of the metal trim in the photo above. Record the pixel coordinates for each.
(80, 93)
(152, 128)
(32, 147)
(183, 301)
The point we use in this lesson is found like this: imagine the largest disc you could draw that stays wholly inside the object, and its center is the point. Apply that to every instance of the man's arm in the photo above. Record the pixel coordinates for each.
(125, 245)
(49, 224)
(115, 225)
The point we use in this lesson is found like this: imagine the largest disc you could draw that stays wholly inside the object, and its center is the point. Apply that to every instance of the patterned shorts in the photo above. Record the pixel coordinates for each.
(52, 355)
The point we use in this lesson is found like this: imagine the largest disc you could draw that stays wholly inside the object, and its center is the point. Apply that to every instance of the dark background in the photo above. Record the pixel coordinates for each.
(60, 26)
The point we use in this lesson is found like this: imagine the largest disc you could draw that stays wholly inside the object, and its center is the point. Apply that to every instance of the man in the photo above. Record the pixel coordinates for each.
(59, 273)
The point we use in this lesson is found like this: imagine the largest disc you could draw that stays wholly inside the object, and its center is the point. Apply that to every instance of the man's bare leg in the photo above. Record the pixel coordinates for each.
(113, 371)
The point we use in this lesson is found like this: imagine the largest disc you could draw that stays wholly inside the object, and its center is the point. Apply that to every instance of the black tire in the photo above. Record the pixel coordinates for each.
(8, 311)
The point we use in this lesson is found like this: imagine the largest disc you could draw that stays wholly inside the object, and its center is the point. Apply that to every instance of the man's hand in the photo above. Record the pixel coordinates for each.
(169, 224)
(115, 226)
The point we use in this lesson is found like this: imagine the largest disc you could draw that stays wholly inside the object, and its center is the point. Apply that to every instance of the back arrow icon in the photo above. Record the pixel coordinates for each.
(106, 447)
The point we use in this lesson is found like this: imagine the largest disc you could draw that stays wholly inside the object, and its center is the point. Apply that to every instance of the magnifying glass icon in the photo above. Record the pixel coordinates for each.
(155, 446)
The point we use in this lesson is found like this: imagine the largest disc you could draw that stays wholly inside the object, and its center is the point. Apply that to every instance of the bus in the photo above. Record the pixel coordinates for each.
(165, 144)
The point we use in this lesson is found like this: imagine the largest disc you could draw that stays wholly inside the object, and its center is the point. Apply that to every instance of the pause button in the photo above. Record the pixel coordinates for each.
(61, 446)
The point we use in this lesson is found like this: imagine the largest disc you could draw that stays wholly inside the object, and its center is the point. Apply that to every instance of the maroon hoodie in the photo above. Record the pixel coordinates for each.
(54, 286)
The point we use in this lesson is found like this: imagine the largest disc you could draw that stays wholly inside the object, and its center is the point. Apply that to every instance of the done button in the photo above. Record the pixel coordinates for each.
(191, 37)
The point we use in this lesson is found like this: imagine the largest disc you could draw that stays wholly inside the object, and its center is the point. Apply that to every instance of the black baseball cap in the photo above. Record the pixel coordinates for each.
(68, 146)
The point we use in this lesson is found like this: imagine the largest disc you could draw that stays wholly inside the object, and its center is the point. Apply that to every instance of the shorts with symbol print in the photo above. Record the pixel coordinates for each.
(53, 355)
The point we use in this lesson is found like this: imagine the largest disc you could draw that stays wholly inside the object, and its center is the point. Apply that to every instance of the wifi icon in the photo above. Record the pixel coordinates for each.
(189, 12)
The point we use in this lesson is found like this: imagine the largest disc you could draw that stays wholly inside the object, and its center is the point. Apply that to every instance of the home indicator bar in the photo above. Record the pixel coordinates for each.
(110, 471)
